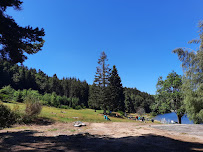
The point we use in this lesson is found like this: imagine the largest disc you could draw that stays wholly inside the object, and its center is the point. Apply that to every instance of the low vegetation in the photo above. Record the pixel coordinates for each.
(69, 115)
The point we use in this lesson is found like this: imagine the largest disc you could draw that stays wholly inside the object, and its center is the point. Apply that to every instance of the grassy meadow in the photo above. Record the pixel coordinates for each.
(69, 115)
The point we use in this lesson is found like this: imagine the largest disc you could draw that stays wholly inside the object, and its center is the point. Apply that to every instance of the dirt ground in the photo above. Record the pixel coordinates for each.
(112, 136)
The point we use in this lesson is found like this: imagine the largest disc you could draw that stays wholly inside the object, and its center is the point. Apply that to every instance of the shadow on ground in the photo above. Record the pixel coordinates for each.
(27, 141)
(42, 121)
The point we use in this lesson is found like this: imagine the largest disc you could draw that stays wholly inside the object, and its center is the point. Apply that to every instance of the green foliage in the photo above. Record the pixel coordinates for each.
(101, 82)
(22, 78)
(18, 96)
(194, 104)
(17, 41)
(64, 107)
(129, 107)
(7, 117)
(33, 106)
(121, 113)
(115, 87)
(161, 105)
(94, 100)
(46, 99)
(135, 99)
(192, 64)
(54, 100)
(169, 95)
(6, 93)
(74, 103)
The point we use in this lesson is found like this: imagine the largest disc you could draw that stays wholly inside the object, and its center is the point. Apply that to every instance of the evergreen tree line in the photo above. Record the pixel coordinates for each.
(20, 77)
(71, 92)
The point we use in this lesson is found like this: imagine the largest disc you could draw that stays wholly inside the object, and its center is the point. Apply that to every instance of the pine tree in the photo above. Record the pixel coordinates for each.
(94, 100)
(116, 91)
(101, 81)
(17, 41)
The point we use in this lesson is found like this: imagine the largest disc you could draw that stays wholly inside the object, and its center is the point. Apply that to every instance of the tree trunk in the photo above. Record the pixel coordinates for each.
(179, 118)
(95, 110)
(105, 111)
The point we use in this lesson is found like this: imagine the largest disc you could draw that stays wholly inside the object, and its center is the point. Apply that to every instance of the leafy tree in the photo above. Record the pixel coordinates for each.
(116, 91)
(161, 105)
(192, 64)
(169, 93)
(101, 80)
(16, 41)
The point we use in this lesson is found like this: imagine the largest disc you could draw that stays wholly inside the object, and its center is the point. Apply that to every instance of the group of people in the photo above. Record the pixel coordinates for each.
(140, 118)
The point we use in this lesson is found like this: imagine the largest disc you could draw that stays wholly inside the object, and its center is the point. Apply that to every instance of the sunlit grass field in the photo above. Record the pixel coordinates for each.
(70, 115)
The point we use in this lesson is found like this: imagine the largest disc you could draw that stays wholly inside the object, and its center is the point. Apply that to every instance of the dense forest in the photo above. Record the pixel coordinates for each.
(57, 92)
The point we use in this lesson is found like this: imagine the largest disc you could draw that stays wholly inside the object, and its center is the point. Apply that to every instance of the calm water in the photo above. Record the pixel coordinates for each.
(172, 116)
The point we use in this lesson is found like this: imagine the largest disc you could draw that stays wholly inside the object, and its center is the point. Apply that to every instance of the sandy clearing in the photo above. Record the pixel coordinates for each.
(112, 136)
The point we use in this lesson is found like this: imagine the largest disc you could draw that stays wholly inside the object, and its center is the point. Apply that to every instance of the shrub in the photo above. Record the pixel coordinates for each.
(33, 106)
(78, 107)
(18, 96)
(6, 93)
(64, 107)
(47, 99)
(54, 101)
(140, 111)
(121, 113)
(7, 117)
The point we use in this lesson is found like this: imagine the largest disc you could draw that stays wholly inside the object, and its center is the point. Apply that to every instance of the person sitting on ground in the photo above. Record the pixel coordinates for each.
(136, 117)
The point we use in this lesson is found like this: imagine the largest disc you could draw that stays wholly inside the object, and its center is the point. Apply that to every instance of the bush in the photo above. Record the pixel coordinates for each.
(140, 111)
(121, 112)
(54, 100)
(78, 107)
(47, 99)
(18, 96)
(33, 106)
(6, 93)
(64, 107)
(7, 117)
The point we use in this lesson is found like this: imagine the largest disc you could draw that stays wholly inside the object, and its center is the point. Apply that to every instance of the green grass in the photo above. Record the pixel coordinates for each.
(72, 130)
(70, 115)
(55, 129)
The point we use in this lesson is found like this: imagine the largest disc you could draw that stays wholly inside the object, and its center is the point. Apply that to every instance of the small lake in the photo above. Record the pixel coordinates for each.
(173, 116)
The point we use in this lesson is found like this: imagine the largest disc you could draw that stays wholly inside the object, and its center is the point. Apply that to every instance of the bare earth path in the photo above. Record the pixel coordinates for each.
(106, 137)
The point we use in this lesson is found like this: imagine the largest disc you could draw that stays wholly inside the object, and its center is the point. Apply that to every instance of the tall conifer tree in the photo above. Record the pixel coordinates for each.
(116, 91)
(101, 81)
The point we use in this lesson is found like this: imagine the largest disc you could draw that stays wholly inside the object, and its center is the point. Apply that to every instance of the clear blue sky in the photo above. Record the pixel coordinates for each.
(137, 36)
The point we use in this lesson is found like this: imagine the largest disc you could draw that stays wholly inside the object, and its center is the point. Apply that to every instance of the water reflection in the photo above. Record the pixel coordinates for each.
(172, 116)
